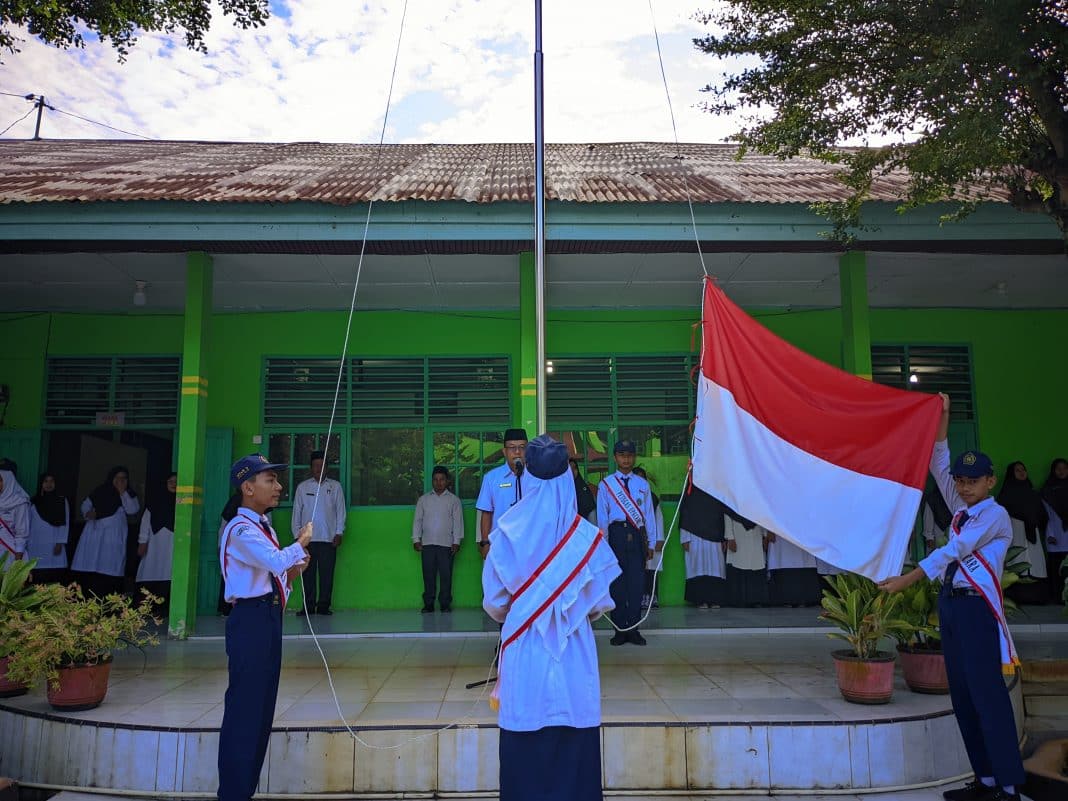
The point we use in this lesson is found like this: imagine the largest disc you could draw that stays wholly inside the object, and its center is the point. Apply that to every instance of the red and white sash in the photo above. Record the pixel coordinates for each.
(984, 580)
(621, 495)
(560, 568)
(7, 539)
(284, 587)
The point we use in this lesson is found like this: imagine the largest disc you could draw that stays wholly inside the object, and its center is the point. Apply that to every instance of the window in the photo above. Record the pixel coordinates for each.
(143, 389)
(390, 415)
(296, 450)
(595, 401)
(928, 368)
(468, 455)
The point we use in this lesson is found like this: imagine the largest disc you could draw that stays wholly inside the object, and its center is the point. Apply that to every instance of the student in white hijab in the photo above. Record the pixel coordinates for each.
(546, 577)
(14, 516)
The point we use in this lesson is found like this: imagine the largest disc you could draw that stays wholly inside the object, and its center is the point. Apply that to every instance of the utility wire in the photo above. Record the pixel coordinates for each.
(28, 96)
(101, 124)
(20, 119)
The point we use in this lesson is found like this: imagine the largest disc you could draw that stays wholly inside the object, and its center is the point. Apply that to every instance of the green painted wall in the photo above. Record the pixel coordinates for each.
(1020, 389)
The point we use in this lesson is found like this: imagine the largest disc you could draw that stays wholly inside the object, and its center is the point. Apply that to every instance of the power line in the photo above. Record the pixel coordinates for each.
(12, 94)
(20, 119)
(101, 124)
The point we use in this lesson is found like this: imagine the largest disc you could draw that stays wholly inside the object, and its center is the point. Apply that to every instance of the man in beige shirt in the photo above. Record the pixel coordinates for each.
(437, 531)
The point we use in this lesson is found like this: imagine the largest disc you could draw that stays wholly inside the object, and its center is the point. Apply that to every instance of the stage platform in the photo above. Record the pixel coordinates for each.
(696, 711)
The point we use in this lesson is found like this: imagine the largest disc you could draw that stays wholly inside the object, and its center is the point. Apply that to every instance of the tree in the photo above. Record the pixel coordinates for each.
(65, 23)
(971, 94)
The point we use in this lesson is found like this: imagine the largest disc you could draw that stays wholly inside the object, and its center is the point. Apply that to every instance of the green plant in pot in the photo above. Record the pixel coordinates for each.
(865, 616)
(16, 595)
(69, 641)
(919, 646)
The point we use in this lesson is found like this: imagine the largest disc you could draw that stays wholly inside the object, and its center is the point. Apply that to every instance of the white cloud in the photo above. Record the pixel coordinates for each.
(321, 73)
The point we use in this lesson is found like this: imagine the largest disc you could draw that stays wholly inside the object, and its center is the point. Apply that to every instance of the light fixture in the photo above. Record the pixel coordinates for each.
(913, 378)
(1002, 288)
(549, 366)
(139, 298)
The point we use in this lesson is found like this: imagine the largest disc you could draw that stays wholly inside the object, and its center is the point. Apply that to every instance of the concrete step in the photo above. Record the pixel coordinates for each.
(929, 794)
(1045, 670)
(1046, 699)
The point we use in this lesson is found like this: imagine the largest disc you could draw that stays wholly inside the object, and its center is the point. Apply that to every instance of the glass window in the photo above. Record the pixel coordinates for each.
(468, 455)
(664, 452)
(387, 466)
(296, 450)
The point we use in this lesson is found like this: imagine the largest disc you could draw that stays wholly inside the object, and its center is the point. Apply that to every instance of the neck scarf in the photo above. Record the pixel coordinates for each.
(50, 506)
(105, 498)
(13, 495)
(1055, 493)
(162, 510)
(1023, 502)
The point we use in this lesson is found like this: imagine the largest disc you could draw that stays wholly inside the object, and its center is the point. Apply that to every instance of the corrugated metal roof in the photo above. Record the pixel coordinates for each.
(342, 174)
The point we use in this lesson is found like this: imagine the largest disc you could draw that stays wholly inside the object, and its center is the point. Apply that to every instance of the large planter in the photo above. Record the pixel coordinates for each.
(9, 689)
(81, 687)
(865, 681)
(924, 669)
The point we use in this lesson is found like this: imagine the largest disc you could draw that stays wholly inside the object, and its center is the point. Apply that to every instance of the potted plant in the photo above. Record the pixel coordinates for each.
(16, 595)
(865, 616)
(69, 640)
(920, 645)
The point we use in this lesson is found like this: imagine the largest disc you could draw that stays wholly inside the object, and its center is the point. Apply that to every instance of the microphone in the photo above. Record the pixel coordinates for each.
(517, 467)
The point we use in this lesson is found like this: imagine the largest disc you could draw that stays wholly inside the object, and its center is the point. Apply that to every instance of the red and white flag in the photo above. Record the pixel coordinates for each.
(832, 462)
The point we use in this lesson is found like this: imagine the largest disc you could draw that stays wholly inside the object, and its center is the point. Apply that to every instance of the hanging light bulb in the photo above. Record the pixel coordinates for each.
(914, 379)
(139, 298)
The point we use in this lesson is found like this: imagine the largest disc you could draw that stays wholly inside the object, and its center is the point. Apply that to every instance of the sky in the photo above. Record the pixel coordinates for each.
(320, 71)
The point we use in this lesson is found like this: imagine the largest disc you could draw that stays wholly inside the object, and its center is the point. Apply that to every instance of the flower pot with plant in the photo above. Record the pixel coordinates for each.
(865, 616)
(69, 641)
(919, 647)
(16, 595)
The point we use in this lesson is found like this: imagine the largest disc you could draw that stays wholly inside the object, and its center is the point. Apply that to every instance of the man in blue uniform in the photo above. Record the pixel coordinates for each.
(502, 487)
(625, 511)
(258, 575)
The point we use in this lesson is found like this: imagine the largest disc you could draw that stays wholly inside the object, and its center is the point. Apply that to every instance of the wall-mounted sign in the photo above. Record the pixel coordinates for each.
(111, 419)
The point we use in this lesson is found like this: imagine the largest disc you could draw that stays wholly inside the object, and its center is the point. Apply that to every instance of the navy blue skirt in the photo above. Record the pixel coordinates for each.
(556, 763)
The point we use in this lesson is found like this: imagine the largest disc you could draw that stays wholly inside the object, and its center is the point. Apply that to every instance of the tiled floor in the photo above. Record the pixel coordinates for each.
(934, 794)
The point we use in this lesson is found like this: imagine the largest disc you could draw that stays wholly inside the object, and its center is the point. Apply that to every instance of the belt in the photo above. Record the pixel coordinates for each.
(962, 592)
(265, 597)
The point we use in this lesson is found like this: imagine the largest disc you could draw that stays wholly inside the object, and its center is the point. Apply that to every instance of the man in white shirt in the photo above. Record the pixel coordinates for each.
(328, 517)
(437, 532)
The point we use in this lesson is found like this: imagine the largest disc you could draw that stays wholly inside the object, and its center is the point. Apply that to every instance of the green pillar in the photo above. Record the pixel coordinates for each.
(528, 350)
(856, 330)
(192, 427)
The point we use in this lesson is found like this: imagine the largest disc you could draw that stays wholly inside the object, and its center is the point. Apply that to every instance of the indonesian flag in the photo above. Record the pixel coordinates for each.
(832, 462)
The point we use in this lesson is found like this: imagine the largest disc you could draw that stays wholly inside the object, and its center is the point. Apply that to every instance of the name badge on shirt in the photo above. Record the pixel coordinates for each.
(504, 486)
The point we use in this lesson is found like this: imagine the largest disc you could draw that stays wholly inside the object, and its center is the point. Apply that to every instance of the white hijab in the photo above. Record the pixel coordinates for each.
(13, 495)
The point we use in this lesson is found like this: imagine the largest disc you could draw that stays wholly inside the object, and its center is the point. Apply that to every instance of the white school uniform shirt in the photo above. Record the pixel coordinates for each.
(750, 553)
(609, 512)
(931, 531)
(439, 520)
(156, 564)
(784, 555)
(1032, 551)
(44, 537)
(330, 513)
(1056, 536)
(987, 527)
(102, 548)
(704, 558)
(249, 557)
(15, 517)
(654, 562)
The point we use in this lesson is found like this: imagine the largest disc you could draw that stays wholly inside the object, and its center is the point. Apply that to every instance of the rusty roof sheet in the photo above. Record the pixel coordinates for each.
(343, 174)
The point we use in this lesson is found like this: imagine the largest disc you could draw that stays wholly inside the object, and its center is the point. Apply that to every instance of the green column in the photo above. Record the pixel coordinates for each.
(856, 330)
(192, 426)
(528, 351)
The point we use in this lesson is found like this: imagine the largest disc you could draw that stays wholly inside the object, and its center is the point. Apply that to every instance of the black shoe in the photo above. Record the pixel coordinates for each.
(637, 638)
(1000, 795)
(974, 790)
(324, 612)
(446, 609)
(619, 639)
(428, 608)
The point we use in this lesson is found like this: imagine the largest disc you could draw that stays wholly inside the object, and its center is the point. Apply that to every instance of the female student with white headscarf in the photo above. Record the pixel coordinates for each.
(546, 576)
(14, 517)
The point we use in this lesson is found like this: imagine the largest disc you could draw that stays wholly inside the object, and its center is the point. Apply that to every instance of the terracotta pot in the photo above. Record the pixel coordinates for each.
(865, 681)
(925, 670)
(81, 687)
(9, 689)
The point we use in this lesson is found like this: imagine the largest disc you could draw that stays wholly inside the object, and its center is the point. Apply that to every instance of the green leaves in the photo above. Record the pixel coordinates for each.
(863, 613)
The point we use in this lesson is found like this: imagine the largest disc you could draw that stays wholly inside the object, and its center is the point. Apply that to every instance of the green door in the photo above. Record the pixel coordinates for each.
(218, 455)
(24, 448)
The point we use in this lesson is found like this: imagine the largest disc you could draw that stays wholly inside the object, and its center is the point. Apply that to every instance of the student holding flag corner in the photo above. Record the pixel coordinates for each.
(975, 637)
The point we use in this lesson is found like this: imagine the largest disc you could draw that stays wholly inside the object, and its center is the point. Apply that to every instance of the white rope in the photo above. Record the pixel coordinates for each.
(678, 147)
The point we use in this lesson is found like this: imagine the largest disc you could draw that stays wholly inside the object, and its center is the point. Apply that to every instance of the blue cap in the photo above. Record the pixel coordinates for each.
(625, 446)
(248, 466)
(972, 464)
(546, 458)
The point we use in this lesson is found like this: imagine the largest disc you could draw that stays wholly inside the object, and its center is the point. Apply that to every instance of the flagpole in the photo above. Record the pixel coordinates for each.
(539, 222)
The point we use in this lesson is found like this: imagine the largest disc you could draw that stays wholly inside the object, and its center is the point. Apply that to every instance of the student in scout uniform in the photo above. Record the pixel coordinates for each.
(625, 511)
(546, 578)
(329, 528)
(502, 487)
(14, 517)
(976, 652)
(653, 564)
(258, 574)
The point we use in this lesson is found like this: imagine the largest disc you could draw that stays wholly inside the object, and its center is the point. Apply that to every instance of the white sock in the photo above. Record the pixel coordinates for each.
(987, 780)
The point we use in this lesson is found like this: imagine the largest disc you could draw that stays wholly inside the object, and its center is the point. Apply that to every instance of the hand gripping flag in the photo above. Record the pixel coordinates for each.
(832, 462)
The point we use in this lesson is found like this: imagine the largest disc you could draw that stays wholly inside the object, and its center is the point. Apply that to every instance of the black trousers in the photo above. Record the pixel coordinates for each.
(977, 688)
(628, 544)
(254, 651)
(437, 572)
(319, 576)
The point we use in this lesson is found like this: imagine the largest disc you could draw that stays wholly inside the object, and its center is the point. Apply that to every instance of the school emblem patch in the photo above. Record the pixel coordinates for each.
(969, 458)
